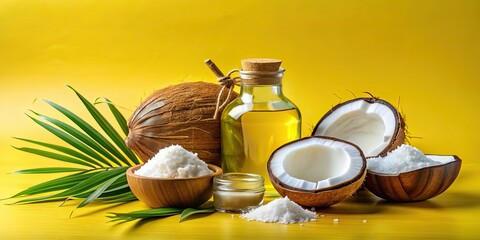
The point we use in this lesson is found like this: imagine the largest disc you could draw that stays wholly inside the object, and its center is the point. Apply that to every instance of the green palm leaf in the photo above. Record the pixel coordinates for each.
(122, 122)
(99, 179)
(48, 170)
(100, 189)
(92, 182)
(81, 137)
(55, 184)
(192, 211)
(107, 194)
(39, 200)
(107, 127)
(61, 149)
(120, 198)
(118, 187)
(57, 156)
(160, 213)
(88, 129)
(125, 199)
(145, 214)
(73, 142)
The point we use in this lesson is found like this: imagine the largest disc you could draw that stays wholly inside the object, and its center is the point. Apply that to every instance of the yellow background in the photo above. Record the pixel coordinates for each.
(423, 56)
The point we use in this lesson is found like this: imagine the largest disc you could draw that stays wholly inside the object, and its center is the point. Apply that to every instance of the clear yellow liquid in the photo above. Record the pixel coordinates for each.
(248, 142)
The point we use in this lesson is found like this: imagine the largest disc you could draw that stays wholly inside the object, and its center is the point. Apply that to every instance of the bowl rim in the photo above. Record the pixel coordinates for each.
(456, 160)
(216, 171)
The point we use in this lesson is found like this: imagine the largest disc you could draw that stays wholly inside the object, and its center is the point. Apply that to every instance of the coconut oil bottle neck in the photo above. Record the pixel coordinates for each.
(259, 121)
(264, 97)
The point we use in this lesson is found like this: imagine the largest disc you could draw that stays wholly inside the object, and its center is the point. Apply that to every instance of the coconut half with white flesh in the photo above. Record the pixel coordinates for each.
(317, 171)
(373, 124)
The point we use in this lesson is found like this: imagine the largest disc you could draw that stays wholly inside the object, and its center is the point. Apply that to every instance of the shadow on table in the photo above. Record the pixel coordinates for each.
(140, 223)
(85, 212)
(362, 202)
(461, 200)
(136, 224)
(447, 200)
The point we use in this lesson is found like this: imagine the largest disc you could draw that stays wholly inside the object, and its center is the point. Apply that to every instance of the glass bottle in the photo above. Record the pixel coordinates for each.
(259, 120)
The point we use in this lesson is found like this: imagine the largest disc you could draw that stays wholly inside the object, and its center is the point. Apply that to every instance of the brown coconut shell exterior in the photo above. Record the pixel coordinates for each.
(322, 197)
(180, 114)
(399, 135)
(417, 185)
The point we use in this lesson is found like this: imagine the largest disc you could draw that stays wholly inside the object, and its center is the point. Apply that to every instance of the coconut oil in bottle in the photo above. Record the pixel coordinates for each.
(259, 121)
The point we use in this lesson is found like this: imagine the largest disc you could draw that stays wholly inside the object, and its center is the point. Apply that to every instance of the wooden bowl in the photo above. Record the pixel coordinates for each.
(172, 192)
(417, 185)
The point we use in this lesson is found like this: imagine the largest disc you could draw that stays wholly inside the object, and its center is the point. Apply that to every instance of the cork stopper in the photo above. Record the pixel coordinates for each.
(261, 64)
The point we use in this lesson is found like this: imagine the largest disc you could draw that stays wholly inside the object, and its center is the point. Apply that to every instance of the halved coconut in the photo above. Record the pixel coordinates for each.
(317, 171)
(372, 124)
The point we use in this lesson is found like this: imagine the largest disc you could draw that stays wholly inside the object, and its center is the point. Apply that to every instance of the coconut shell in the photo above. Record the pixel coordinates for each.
(399, 136)
(180, 114)
(321, 199)
(412, 186)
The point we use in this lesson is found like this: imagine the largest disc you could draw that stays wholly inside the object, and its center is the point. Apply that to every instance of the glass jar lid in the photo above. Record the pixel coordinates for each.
(239, 182)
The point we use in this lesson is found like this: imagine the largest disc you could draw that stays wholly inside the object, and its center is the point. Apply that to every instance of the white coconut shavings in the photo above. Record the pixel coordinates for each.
(403, 159)
(174, 162)
(281, 210)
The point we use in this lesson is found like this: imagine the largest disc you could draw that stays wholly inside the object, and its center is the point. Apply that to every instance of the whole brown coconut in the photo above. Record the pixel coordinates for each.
(180, 114)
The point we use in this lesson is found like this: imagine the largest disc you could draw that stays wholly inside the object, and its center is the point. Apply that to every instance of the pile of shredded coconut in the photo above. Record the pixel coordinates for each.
(403, 159)
(281, 210)
(174, 162)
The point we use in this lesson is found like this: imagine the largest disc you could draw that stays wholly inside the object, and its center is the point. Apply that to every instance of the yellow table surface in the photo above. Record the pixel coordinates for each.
(422, 56)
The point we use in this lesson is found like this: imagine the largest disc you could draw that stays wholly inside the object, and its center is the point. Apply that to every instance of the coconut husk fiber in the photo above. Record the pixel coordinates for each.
(180, 114)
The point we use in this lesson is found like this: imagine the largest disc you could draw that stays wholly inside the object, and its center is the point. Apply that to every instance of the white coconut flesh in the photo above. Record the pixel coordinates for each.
(371, 126)
(316, 163)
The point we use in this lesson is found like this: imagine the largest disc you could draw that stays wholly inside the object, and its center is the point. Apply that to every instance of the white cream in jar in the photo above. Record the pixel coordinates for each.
(238, 192)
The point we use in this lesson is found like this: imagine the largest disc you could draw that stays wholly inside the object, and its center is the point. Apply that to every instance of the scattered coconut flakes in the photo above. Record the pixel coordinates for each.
(403, 159)
(364, 221)
(322, 215)
(335, 220)
(281, 210)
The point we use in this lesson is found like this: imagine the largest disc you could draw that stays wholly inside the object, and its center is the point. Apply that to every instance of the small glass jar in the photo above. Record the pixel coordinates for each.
(238, 192)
